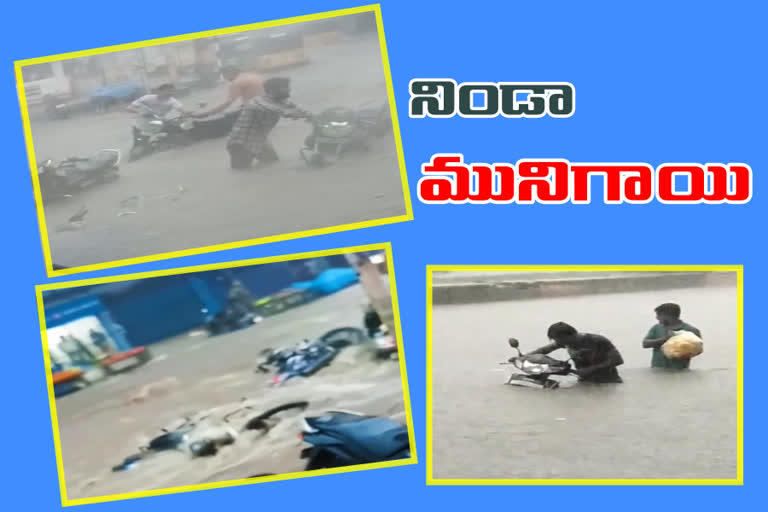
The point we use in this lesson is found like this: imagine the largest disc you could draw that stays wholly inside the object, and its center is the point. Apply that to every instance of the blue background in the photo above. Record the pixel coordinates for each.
(655, 82)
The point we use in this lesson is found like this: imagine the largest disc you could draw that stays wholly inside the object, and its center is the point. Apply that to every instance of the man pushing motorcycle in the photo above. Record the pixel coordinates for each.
(248, 139)
(593, 355)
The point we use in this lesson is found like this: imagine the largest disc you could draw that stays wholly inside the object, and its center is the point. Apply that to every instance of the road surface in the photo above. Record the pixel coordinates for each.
(652, 426)
(220, 205)
(100, 426)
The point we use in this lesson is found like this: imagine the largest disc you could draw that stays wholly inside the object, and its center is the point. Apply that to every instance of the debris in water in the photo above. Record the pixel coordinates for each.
(128, 464)
(79, 216)
(75, 222)
(130, 201)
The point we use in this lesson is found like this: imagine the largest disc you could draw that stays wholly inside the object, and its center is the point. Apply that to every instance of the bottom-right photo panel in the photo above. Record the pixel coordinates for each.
(568, 375)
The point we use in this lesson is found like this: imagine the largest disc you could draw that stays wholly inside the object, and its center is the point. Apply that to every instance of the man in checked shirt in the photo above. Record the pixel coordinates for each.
(248, 139)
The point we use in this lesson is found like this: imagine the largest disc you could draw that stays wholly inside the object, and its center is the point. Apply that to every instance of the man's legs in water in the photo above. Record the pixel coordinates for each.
(239, 157)
(267, 155)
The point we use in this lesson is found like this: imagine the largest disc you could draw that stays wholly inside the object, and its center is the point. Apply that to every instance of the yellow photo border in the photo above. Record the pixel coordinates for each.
(739, 480)
(374, 8)
(66, 502)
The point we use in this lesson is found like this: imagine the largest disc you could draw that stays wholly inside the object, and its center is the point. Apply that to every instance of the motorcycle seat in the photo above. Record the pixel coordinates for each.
(381, 437)
(91, 165)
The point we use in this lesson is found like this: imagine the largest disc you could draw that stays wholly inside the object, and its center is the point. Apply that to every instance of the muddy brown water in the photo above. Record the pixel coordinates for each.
(100, 427)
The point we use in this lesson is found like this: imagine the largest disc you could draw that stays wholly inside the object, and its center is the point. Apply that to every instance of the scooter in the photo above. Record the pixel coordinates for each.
(341, 438)
(339, 130)
(536, 370)
(157, 133)
(74, 174)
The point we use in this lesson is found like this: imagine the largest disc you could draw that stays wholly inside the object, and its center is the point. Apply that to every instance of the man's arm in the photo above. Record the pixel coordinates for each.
(546, 349)
(139, 104)
(289, 110)
(654, 339)
(177, 105)
(232, 95)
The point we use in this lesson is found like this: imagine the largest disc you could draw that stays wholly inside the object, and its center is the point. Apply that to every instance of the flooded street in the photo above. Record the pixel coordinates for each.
(219, 205)
(655, 425)
(102, 425)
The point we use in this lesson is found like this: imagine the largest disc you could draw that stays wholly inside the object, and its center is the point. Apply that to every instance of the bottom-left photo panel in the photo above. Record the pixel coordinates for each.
(226, 374)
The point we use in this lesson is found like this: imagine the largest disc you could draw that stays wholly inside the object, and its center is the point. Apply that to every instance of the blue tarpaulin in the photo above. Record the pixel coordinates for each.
(329, 281)
(122, 91)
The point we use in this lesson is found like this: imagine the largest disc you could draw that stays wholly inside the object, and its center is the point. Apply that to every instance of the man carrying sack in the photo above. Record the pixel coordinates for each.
(673, 341)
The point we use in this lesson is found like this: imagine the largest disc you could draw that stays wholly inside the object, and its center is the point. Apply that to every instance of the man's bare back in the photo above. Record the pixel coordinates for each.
(246, 87)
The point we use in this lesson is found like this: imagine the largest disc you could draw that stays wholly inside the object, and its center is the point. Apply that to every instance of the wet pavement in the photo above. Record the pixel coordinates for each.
(655, 425)
(107, 422)
(220, 205)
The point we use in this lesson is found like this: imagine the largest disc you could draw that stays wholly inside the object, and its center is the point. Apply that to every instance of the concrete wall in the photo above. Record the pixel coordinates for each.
(457, 289)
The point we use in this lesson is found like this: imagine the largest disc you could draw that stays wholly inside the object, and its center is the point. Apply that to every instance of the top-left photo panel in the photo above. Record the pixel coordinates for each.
(215, 140)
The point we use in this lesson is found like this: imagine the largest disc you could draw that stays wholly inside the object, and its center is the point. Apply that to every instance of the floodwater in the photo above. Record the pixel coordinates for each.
(103, 424)
(654, 425)
(219, 205)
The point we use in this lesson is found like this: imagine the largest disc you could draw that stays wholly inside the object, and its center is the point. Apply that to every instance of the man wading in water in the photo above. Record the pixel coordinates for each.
(668, 316)
(594, 356)
(248, 140)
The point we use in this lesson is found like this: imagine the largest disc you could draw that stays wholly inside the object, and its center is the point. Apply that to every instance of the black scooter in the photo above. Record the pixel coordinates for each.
(74, 174)
(536, 370)
(339, 130)
(340, 439)
(156, 133)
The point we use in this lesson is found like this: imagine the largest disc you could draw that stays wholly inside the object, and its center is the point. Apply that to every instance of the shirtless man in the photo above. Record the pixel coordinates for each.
(243, 86)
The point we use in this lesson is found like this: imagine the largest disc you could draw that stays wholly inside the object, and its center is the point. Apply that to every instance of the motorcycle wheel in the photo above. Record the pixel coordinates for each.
(317, 160)
(137, 152)
(111, 177)
(551, 384)
(383, 125)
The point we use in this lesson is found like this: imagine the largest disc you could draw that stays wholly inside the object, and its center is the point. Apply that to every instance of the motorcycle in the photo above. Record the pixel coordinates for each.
(157, 133)
(339, 130)
(335, 339)
(230, 319)
(74, 174)
(305, 362)
(536, 370)
(340, 438)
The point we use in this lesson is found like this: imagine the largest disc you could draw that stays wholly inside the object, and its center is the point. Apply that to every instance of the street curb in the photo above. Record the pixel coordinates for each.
(479, 292)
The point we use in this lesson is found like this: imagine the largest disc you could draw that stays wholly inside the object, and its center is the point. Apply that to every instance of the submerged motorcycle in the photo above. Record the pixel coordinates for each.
(340, 438)
(304, 362)
(230, 319)
(74, 174)
(339, 130)
(309, 357)
(536, 370)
